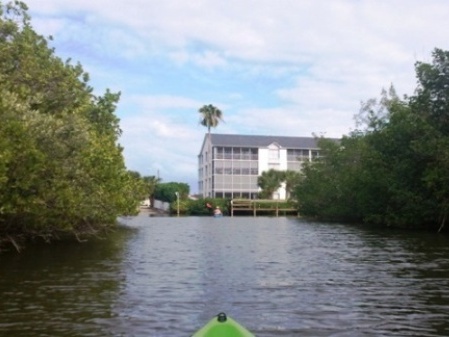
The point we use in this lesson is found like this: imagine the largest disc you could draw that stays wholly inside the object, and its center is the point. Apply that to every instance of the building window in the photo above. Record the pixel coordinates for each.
(218, 152)
(254, 154)
(227, 167)
(218, 167)
(297, 155)
(236, 155)
(227, 154)
(246, 154)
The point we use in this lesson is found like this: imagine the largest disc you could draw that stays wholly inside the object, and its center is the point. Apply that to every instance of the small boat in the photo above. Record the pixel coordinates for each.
(222, 326)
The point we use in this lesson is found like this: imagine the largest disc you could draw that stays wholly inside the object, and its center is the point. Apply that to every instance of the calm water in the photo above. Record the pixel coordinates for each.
(277, 276)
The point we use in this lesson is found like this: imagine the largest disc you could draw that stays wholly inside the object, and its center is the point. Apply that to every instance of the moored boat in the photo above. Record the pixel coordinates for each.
(222, 326)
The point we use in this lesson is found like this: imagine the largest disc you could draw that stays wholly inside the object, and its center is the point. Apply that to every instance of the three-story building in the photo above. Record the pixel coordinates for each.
(229, 165)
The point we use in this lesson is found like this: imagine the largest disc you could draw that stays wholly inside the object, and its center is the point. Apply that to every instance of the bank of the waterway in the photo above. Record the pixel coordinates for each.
(166, 276)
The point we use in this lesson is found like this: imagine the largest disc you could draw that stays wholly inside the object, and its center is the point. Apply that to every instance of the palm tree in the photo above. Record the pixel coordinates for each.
(150, 184)
(210, 116)
(269, 182)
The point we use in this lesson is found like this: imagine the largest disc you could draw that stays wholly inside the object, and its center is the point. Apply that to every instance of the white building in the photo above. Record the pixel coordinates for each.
(229, 165)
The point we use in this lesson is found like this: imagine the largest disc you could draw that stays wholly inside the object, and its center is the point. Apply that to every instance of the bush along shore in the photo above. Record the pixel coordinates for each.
(62, 171)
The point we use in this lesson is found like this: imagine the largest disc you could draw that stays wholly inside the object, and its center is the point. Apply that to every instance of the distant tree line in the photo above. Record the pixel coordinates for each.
(61, 168)
(393, 170)
(170, 192)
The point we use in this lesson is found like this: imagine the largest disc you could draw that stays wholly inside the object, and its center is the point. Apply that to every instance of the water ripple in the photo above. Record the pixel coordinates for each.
(277, 276)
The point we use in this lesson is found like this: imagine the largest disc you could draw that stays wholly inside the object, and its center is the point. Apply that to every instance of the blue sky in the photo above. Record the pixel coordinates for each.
(274, 67)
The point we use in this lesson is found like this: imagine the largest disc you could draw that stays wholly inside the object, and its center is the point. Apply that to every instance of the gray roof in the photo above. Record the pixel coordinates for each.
(263, 141)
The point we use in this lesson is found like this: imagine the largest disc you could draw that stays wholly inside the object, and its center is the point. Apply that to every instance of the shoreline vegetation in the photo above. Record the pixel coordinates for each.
(393, 170)
(62, 171)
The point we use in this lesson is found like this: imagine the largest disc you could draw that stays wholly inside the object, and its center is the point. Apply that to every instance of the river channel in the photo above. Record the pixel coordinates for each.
(167, 276)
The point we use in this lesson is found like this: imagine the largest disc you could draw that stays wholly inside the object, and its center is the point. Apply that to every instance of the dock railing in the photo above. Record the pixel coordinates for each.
(263, 206)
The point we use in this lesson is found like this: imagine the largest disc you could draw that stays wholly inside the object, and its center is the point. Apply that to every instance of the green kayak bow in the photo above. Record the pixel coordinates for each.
(222, 326)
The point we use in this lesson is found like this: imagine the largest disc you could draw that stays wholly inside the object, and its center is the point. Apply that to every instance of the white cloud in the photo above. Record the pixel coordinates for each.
(274, 67)
(157, 102)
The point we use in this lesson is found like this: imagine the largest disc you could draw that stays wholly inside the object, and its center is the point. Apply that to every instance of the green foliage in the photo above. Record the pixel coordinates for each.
(291, 180)
(150, 182)
(192, 207)
(29, 68)
(431, 100)
(395, 171)
(270, 181)
(199, 207)
(167, 191)
(61, 170)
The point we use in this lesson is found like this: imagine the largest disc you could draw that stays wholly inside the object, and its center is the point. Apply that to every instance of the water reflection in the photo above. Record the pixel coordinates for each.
(61, 289)
(278, 276)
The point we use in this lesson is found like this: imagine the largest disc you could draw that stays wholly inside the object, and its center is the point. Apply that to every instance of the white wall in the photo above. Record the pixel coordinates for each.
(206, 167)
(281, 193)
(161, 205)
(263, 160)
(145, 203)
(283, 160)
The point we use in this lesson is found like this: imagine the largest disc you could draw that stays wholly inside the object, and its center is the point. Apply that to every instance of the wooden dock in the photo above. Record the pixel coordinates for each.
(276, 207)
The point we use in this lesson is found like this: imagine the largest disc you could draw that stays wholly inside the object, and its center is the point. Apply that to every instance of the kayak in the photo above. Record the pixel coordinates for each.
(222, 326)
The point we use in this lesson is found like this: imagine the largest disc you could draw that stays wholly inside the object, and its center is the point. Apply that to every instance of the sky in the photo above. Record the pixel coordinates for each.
(274, 67)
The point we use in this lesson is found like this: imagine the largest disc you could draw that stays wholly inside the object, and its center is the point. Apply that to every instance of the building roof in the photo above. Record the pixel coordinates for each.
(263, 141)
